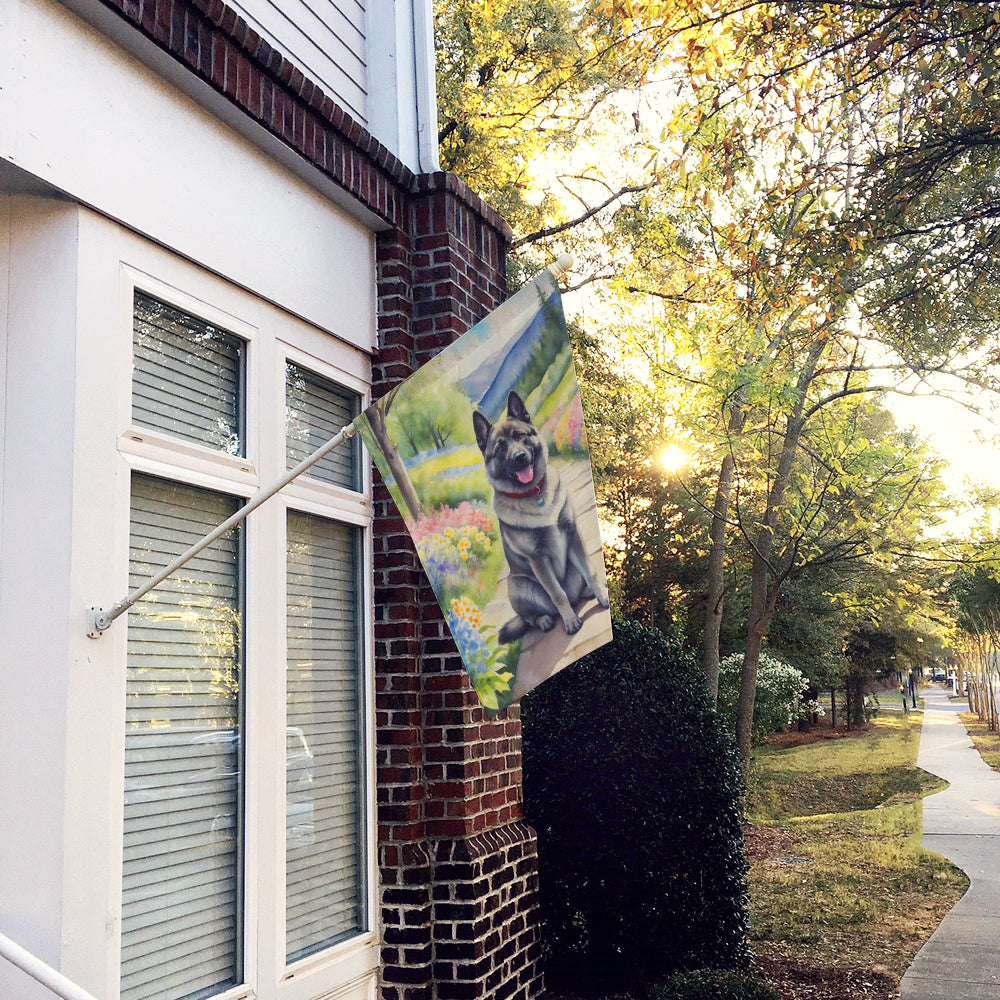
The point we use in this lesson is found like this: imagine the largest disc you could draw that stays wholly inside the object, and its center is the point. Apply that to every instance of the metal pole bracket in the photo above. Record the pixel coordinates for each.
(97, 622)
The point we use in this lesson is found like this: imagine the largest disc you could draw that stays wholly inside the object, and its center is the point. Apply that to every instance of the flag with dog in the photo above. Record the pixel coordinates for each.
(485, 453)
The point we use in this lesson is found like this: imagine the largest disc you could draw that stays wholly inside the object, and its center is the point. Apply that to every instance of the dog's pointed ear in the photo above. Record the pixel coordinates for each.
(482, 427)
(517, 409)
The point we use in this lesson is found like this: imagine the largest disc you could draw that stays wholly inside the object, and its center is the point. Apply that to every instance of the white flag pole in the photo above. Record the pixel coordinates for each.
(100, 619)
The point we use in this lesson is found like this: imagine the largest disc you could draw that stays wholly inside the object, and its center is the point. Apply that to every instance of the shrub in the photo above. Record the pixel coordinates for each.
(633, 788)
(711, 984)
(779, 690)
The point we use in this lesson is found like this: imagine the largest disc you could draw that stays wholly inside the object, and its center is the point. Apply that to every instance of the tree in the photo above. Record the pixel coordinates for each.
(871, 653)
(920, 79)
(803, 213)
(976, 593)
(801, 288)
(517, 78)
(430, 421)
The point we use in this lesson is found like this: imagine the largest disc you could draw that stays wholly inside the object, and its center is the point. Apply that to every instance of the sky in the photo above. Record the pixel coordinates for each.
(959, 437)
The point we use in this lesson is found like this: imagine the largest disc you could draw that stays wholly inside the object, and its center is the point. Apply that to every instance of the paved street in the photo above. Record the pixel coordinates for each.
(961, 960)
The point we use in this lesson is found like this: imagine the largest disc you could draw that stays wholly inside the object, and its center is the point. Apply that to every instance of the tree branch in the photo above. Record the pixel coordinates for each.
(542, 234)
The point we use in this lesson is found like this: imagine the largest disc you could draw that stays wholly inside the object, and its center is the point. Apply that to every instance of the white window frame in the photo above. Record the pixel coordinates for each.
(272, 337)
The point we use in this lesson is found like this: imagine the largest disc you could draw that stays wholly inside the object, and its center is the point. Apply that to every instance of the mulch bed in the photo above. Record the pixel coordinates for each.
(802, 980)
(821, 730)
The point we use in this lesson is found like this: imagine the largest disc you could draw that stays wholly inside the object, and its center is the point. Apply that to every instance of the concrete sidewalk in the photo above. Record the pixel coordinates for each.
(961, 959)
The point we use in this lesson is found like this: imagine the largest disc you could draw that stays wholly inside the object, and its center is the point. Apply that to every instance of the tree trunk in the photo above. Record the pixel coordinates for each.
(761, 609)
(991, 694)
(716, 579)
(763, 597)
(855, 702)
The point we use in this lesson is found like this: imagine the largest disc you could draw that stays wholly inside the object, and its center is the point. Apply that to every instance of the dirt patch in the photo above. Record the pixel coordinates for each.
(764, 842)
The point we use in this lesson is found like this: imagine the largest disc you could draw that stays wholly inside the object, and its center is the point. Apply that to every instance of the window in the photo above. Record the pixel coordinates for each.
(187, 377)
(316, 409)
(324, 860)
(205, 829)
(182, 870)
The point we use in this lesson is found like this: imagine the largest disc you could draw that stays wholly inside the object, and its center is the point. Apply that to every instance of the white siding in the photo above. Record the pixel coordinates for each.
(38, 400)
(325, 39)
(80, 114)
(375, 58)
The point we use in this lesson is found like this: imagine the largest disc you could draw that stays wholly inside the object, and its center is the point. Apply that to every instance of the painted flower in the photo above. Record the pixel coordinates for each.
(470, 644)
(464, 608)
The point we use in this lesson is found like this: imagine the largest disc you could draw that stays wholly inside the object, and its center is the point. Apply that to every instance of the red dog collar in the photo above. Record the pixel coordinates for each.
(533, 492)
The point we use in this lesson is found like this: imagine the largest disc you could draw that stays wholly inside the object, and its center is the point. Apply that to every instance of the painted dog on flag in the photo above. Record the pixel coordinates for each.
(549, 573)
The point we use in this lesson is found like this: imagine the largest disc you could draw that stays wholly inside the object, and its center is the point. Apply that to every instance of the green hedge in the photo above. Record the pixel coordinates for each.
(633, 789)
(714, 985)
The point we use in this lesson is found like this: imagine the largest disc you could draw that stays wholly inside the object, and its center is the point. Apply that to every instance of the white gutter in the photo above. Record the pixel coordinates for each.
(38, 970)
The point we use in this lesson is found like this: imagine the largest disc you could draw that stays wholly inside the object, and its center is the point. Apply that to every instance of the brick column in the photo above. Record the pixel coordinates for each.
(458, 866)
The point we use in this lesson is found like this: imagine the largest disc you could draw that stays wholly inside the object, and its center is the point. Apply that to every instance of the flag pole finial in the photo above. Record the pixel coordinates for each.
(562, 264)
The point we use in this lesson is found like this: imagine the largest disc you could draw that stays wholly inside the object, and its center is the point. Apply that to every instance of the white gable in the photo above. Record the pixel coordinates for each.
(325, 39)
(375, 58)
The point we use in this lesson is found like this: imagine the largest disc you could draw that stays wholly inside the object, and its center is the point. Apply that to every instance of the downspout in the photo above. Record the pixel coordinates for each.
(425, 86)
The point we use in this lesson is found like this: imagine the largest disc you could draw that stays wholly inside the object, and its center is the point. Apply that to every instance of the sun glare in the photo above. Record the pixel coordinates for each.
(673, 458)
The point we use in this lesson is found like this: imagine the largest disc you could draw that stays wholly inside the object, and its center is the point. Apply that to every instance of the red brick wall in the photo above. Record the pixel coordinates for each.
(458, 868)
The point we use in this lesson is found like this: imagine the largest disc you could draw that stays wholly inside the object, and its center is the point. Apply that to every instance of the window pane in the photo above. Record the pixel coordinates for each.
(315, 410)
(187, 378)
(325, 801)
(182, 873)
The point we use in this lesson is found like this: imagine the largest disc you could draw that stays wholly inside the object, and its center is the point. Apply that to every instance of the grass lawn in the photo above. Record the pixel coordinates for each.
(842, 894)
(987, 743)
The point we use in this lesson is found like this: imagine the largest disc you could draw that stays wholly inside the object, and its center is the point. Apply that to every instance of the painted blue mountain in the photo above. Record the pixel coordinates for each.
(492, 396)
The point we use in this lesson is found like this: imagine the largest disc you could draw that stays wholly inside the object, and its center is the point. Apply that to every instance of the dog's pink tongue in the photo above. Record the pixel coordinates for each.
(525, 475)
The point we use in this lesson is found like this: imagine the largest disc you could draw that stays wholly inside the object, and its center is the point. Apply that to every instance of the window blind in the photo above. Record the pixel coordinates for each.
(187, 377)
(325, 863)
(316, 409)
(182, 871)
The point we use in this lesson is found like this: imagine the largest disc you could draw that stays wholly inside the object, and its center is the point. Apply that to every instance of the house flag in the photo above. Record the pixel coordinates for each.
(484, 451)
